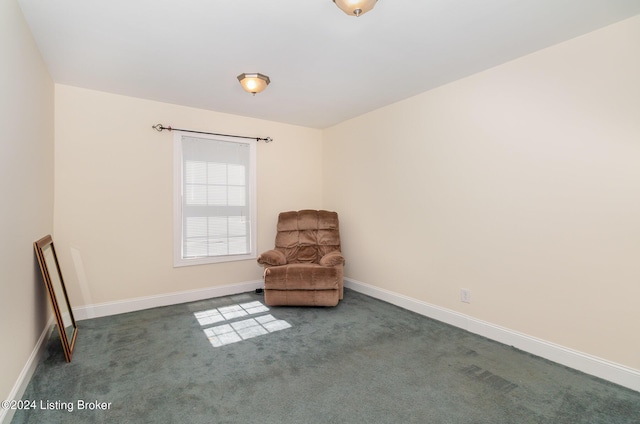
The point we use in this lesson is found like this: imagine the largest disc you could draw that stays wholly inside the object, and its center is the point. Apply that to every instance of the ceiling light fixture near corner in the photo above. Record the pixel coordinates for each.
(355, 7)
(253, 83)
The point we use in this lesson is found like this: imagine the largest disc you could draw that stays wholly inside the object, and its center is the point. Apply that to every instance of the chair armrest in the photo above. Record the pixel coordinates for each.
(332, 259)
(272, 258)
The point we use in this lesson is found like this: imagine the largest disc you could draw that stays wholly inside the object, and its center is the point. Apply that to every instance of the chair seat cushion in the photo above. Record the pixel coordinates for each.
(306, 276)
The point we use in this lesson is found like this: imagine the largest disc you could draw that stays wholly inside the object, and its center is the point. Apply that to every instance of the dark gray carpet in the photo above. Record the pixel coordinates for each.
(364, 361)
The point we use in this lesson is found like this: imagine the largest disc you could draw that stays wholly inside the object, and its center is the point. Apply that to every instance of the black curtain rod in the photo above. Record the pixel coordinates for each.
(160, 127)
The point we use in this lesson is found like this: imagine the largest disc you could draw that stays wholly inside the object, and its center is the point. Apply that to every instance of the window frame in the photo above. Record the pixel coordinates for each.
(178, 218)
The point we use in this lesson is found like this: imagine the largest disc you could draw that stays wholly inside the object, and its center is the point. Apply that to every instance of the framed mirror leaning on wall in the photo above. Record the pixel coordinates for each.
(52, 276)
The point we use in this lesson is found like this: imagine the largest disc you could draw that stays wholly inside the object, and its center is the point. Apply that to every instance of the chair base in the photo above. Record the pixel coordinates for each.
(274, 297)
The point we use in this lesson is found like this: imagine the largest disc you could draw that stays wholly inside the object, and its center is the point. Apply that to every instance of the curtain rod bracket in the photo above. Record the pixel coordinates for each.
(160, 128)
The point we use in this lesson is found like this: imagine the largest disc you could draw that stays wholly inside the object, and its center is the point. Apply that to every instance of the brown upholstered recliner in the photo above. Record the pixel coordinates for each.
(306, 266)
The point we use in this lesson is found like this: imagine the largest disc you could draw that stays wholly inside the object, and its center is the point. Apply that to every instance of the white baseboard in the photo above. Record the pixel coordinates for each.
(114, 308)
(147, 302)
(27, 371)
(610, 371)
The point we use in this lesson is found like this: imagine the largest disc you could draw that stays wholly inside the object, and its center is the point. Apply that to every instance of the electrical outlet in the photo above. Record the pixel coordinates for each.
(465, 295)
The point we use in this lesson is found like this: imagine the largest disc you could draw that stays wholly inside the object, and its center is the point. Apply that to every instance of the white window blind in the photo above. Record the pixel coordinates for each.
(216, 199)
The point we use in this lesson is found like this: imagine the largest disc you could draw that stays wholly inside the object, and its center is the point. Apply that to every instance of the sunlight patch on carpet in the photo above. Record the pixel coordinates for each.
(235, 329)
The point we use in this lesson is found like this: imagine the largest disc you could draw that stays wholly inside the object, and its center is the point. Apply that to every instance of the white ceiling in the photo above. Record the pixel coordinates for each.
(325, 67)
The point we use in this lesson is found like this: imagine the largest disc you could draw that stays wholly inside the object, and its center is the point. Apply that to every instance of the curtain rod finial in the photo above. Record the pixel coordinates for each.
(160, 127)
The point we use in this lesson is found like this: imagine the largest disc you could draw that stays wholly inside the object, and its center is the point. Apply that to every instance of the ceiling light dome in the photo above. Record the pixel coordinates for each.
(355, 7)
(253, 83)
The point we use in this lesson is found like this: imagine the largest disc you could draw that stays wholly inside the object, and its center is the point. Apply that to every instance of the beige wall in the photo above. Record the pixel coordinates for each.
(521, 183)
(26, 190)
(114, 174)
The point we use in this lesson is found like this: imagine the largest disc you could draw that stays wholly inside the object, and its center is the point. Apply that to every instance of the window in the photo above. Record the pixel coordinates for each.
(214, 199)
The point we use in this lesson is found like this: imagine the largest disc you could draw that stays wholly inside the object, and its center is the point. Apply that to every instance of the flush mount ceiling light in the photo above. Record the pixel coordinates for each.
(253, 83)
(355, 7)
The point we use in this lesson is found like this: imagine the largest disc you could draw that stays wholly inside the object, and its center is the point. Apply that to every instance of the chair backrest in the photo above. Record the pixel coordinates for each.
(306, 236)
